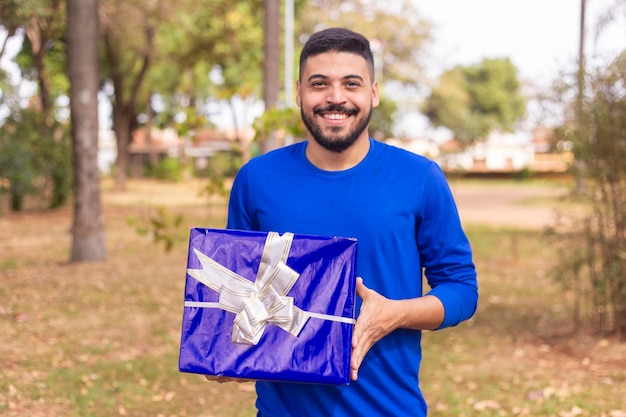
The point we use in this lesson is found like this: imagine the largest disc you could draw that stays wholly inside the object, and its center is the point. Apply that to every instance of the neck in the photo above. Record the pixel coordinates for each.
(327, 160)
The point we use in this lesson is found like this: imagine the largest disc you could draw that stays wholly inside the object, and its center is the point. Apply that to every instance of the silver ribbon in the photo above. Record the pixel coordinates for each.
(258, 303)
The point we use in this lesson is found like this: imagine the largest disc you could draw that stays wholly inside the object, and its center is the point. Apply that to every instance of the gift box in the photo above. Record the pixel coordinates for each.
(269, 306)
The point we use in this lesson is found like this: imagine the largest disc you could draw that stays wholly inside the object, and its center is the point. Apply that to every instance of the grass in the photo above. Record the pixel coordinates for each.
(101, 339)
(518, 355)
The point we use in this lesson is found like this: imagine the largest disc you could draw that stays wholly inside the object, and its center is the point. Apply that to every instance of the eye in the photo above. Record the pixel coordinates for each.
(353, 84)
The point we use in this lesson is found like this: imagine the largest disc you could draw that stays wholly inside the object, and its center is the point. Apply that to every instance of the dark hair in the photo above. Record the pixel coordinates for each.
(339, 40)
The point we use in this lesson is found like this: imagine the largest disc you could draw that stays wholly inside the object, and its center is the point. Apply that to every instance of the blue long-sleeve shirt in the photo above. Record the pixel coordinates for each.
(399, 207)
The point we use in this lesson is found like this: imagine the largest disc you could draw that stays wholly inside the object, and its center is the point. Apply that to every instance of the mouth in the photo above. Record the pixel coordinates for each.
(335, 113)
(335, 116)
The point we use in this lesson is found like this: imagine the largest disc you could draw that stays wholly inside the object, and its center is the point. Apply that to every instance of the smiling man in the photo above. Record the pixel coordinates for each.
(398, 205)
(336, 95)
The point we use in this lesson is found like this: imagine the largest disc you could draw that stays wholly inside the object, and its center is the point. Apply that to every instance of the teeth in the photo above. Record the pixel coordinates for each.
(335, 116)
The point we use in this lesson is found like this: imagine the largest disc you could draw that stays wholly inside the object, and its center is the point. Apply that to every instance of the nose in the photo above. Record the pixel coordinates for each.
(336, 95)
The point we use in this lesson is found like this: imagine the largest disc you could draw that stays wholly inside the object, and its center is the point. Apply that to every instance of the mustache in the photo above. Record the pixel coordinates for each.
(337, 108)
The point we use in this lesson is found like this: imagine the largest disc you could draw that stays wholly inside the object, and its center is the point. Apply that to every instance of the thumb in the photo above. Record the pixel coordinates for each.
(361, 289)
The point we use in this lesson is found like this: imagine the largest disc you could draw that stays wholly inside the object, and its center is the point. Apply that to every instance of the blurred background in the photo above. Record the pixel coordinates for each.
(122, 124)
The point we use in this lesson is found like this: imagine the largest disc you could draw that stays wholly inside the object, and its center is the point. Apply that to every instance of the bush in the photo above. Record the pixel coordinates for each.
(594, 261)
(35, 159)
(169, 169)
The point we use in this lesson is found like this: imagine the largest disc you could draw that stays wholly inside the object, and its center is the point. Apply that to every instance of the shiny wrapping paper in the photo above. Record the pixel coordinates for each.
(307, 340)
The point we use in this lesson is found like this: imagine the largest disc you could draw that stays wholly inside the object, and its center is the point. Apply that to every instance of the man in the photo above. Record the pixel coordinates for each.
(340, 182)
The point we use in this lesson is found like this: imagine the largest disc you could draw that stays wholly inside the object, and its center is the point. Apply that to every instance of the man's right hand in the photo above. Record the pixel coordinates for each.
(222, 379)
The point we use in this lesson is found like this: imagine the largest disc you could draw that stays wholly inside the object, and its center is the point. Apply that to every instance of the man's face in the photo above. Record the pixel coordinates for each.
(336, 96)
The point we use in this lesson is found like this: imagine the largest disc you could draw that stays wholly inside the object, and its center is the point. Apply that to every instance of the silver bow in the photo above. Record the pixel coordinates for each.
(258, 303)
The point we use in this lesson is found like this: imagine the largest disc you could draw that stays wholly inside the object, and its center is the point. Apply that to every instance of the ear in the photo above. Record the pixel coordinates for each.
(298, 97)
(375, 94)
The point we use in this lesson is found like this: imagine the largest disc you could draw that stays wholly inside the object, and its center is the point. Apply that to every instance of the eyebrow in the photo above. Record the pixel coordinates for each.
(345, 77)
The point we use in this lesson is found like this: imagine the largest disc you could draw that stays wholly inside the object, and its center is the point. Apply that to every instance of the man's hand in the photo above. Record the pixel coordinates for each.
(222, 379)
(378, 317)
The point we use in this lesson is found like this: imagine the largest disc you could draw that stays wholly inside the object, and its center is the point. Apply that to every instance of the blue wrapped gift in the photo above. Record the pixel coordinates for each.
(269, 306)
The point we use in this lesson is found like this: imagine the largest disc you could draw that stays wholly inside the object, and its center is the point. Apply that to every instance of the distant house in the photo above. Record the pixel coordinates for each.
(499, 153)
(423, 147)
(204, 144)
(145, 148)
(199, 147)
(551, 154)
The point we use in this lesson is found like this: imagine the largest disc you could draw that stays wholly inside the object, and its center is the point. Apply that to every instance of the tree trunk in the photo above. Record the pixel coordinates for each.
(154, 160)
(271, 63)
(122, 120)
(124, 111)
(88, 243)
(579, 164)
(38, 40)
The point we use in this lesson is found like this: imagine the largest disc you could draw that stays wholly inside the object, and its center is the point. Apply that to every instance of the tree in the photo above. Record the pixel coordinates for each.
(164, 48)
(593, 242)
(593, 264)
(271, 63)
(35, 137)
(128, 30)
(475, 100)
(42, 56)
(396, 30)
(34, 158)
(381, 124)
(88, 242)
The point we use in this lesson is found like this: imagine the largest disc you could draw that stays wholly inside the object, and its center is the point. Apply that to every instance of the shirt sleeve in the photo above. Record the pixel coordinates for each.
(239, 210)
(445, 251)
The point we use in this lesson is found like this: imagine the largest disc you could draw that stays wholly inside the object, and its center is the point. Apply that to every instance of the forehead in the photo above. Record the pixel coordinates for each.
(335, 64)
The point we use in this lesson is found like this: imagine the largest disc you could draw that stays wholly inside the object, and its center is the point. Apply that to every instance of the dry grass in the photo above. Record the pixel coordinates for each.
(101, 339)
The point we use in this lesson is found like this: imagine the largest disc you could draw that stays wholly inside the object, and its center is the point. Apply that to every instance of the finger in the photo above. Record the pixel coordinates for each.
(354, 374)
(354, 368)
(357, 354)
(223, 379)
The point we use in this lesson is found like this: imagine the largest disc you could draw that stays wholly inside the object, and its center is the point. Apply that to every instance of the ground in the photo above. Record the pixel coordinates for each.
(101, 340)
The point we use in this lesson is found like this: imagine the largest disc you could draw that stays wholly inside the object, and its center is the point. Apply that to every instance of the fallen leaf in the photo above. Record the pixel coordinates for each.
(486, 404)
(575, 411)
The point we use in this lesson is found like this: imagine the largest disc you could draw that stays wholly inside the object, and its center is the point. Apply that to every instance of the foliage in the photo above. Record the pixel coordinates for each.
(36, 149)
(170, 169)
(382, 122)
(284, 120)
(54, 61)
(56, 153)
(472, 101)
(202, 50)
(42, 57)
(594, 261)
(17, 166)
(188, 53)
(164, 227)
(398, 33)
(35, 158)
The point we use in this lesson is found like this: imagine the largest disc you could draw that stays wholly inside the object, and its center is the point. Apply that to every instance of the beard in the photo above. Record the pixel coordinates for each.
(335, 142)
